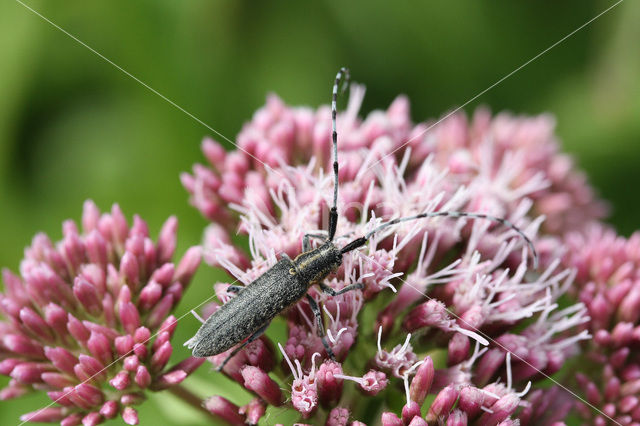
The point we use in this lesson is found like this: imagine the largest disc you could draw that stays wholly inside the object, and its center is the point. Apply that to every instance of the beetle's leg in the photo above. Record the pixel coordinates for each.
(306, 244)
(235, 289)
(320, 329)
(251, 338)
(325, 288)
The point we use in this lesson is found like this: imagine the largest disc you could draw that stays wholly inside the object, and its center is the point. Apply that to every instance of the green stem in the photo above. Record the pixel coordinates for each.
(190, 398)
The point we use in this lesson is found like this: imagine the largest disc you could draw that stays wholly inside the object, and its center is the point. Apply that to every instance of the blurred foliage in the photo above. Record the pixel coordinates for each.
(73, 127)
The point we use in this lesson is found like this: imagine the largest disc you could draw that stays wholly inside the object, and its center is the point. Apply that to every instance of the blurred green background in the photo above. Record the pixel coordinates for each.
(73, 127)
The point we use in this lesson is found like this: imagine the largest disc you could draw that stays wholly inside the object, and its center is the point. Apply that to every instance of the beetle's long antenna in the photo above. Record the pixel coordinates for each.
(363, 240)
(333, 214)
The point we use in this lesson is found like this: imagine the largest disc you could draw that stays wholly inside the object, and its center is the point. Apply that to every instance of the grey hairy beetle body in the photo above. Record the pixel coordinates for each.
(281, 286)
(245, 317)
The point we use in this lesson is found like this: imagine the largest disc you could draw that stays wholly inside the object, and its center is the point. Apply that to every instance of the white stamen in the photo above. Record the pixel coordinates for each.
(313, 363)
(526, 389)
(379, 337)
(326, 311)
(300, 374)
(198, 317)
(286, 358)
(404, 347)
(509, 377)
(342, 330)
(473, 335)
(305, 317)
(358, 380)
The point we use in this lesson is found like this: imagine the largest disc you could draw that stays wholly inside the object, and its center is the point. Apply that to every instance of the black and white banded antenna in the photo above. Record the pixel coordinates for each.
(358, 242)
(343, 73)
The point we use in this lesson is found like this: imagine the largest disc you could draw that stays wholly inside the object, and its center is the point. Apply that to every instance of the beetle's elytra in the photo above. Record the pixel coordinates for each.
(258, 303)
(245, 317)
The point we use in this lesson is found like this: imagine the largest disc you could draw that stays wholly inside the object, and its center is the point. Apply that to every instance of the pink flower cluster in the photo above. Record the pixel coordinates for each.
(453, 325)
(88, 320)
(608, 283)
(465, 287)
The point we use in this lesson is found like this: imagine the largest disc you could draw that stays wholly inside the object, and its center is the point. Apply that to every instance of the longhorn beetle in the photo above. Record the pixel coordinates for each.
(244, 318)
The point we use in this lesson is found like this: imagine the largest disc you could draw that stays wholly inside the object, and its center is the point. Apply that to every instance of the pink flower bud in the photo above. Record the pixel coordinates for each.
(442, 404)
(62, 397)
(628, 403)
(142, 335)
(188, 365)
(120, 228)
(329, 387)
(44, 415)
(612, 389)
(29, 372)
(149, 296)
(132, 398)
(259, 382)
(96, 247)
(108, 310)
(120, 381)
(160, 311)
(92, 366)
(459, 346)
(7, 365)
(188, 265)
(130, 416)
(418, 421)
(457, 418)
(409, 411)
(501, 410)
(109, 333)
(56, 380)
(77, 329)
(390, 419)
(56, 318)
(35, 324)
(92, 395)
(213, 151)
(87, 295)
(129, 317)
(161, 339)
(20, 344)
(164, 274)
(140, 350)
(142, 377)
(169, 325)
(167, 240)
(109, 409)
(72, 420)
(488, 365)
(471, 400)
(123, 344)
(618, 358)
(224, 409)
(61, 359)
(168, 379)
(422, 381)
(129, 269)
(161, 357)
(338, 417)
(259, 354)
(253, 411)
(131, 363)
(99, 347)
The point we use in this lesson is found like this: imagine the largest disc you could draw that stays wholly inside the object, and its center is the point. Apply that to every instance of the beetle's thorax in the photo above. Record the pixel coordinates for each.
(316, 264)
